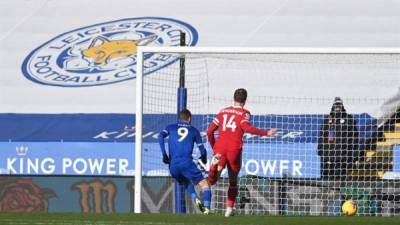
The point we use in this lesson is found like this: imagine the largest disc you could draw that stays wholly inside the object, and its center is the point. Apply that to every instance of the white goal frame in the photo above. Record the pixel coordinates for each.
(213, 50)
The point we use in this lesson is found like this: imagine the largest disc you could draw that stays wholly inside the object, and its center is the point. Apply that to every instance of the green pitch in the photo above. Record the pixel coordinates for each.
(168, 219)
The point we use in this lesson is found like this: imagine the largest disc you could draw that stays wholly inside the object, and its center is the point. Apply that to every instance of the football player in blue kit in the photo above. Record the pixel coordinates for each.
(181, 139)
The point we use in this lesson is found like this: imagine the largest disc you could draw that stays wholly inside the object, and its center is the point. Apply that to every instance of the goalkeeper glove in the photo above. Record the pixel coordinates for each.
(203, 158)
(165, 159)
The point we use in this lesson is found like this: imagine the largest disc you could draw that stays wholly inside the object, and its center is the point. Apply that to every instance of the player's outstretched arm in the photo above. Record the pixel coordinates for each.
(163, 134)
(248, 128)
(203, 151)
(210, 133)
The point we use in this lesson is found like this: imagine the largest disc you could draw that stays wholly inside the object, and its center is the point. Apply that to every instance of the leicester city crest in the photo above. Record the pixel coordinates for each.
(104, 53)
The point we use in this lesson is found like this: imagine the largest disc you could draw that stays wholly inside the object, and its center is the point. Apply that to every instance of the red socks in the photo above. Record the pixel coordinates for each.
(232, 193)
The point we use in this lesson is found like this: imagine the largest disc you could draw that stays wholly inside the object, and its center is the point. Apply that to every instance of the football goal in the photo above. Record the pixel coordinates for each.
(336, 110)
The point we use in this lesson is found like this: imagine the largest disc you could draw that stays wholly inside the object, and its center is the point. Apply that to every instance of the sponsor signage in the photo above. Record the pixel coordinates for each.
(117, 159)
(102, 145)
(66, 158)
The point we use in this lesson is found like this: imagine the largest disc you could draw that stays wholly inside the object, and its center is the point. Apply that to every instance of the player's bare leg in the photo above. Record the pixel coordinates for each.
(215, 169)
(232, 191)
(206, 193)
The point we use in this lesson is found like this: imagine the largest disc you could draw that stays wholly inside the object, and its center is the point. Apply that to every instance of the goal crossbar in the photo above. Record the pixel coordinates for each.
(264, 50)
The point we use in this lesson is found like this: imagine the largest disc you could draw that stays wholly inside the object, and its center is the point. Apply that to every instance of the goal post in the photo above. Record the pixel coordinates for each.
(139, 134)
(306, 168)
(180, 201)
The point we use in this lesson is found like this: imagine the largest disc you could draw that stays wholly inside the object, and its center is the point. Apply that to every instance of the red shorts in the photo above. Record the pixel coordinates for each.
(232, 159)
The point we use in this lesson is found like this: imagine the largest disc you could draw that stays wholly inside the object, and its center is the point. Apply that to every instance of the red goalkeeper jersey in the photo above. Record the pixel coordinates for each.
(231, 122)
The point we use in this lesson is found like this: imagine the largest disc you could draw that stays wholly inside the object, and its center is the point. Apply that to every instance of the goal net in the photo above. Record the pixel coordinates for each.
(336, 111)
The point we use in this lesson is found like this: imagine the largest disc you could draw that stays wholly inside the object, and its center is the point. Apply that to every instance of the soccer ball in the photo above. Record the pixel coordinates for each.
(349, 208)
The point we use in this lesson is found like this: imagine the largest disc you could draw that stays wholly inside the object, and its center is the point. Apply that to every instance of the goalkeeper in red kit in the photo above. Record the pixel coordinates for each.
(231, 122)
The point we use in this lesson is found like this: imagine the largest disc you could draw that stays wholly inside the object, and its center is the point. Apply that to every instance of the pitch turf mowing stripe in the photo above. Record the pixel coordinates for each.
(169, 219)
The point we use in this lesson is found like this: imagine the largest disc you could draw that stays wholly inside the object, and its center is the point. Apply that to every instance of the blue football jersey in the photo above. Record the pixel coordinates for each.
(182, 137)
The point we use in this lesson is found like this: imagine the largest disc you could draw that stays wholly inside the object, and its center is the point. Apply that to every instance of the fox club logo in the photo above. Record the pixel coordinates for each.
(105, 53)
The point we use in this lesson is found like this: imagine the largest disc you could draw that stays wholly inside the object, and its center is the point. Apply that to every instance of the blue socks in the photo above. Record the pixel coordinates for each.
(190, 189)
(205, 192)
(207, 197)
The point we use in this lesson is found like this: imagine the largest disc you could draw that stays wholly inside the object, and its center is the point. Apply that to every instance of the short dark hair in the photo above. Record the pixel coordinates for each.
(185, 114)
(240, 95)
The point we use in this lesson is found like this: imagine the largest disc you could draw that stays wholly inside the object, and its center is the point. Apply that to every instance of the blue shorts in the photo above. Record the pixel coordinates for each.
(188, 171)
